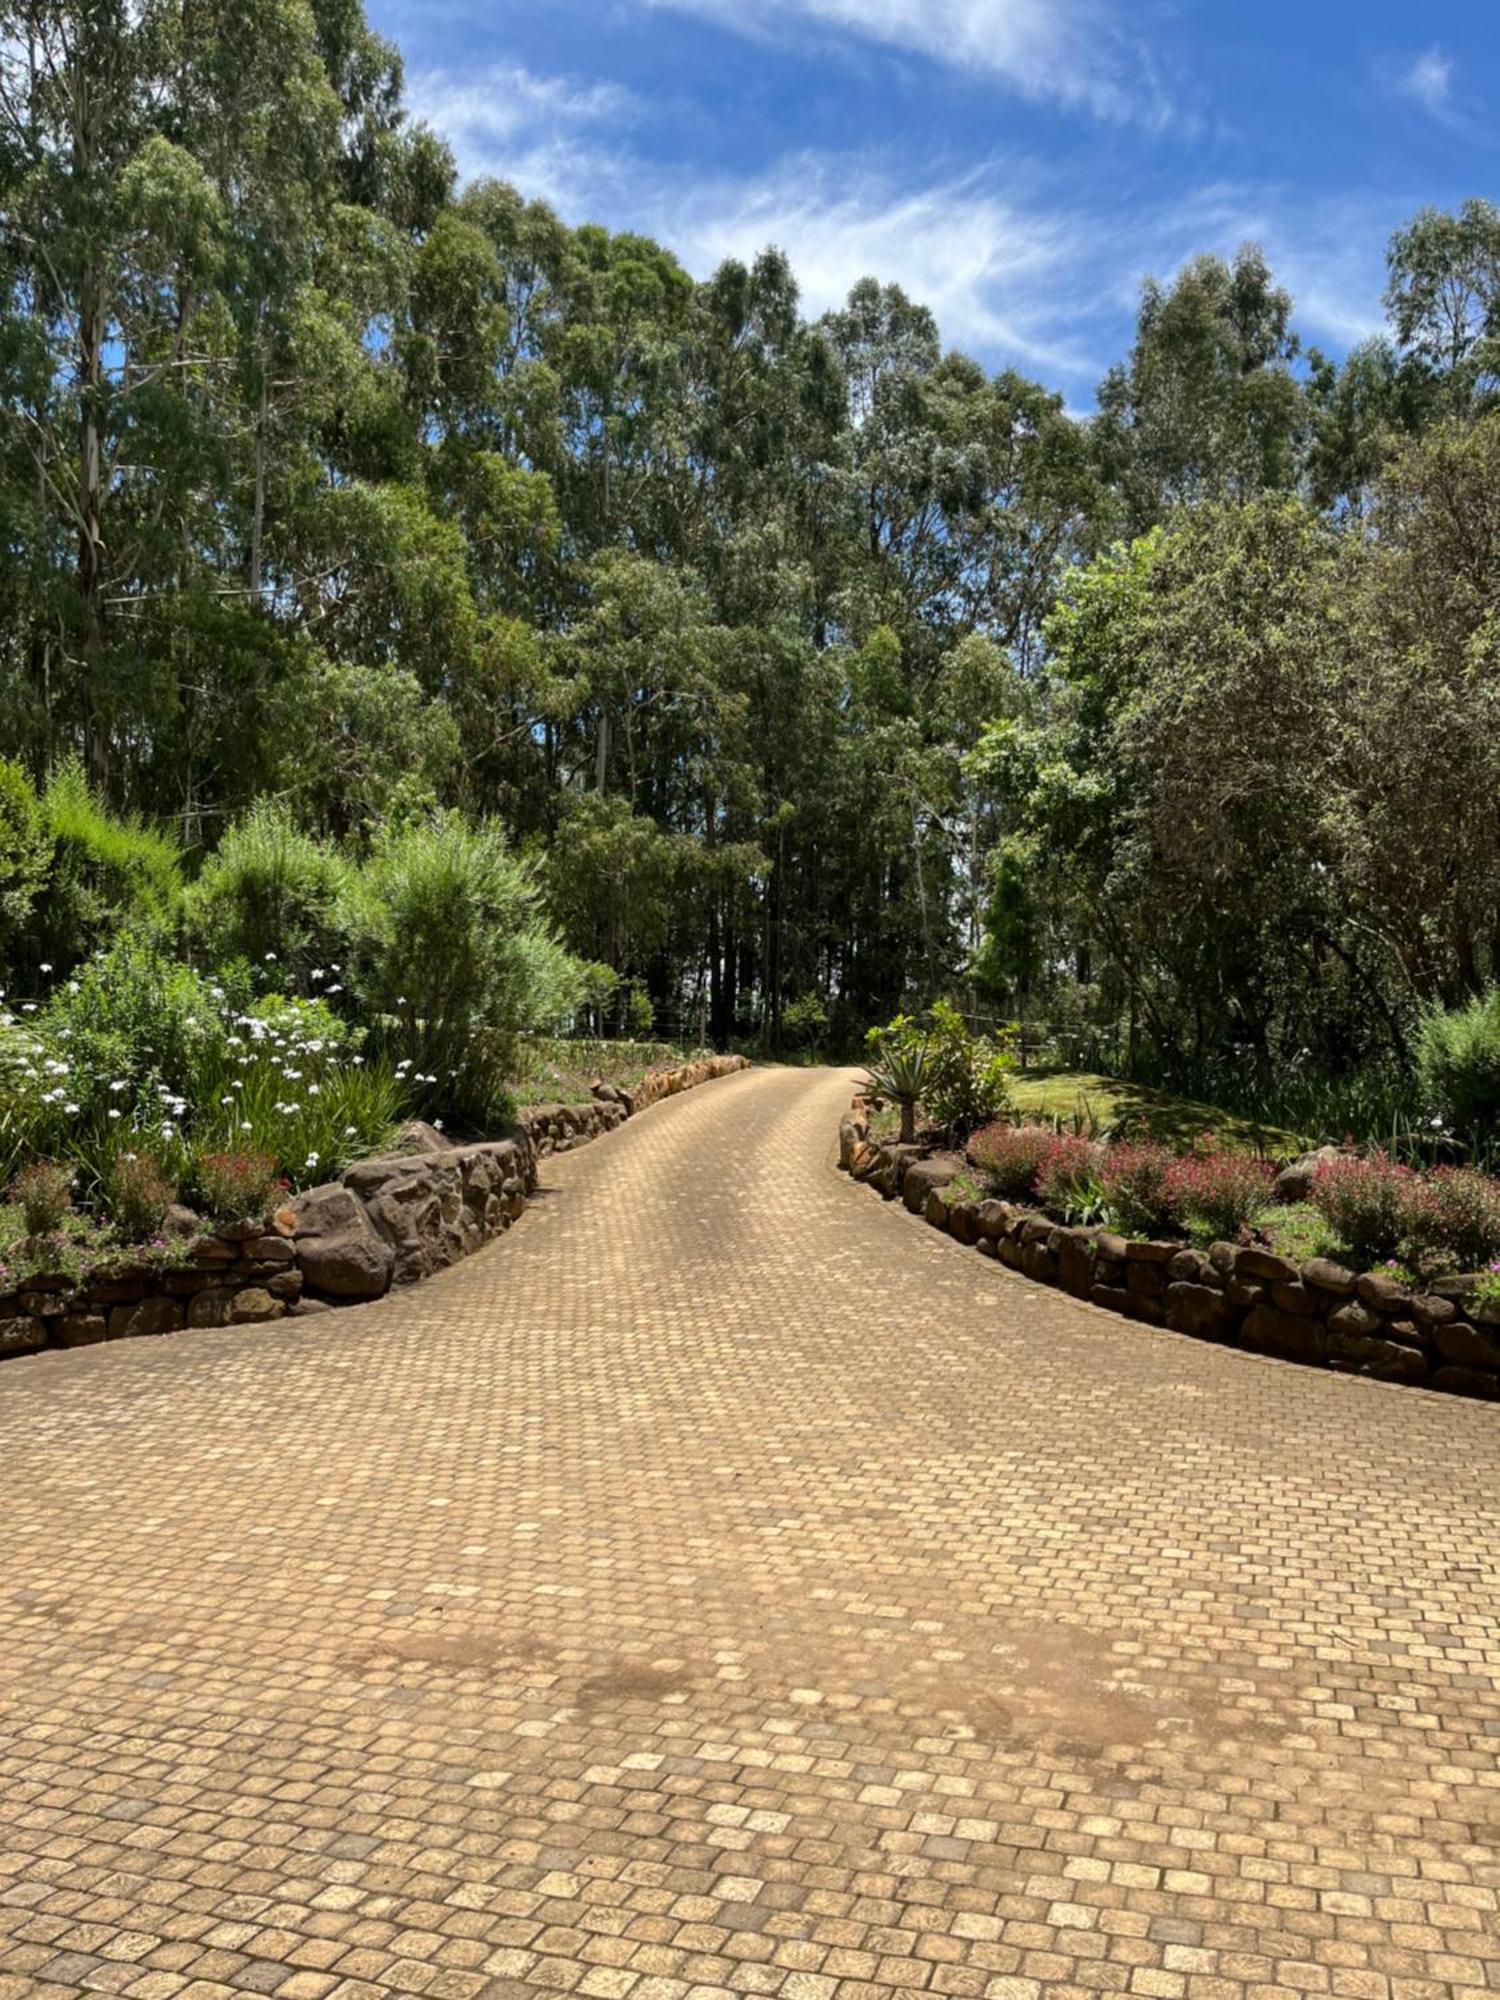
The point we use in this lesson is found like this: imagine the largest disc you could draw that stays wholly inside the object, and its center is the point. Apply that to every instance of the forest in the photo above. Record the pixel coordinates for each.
(372, 544)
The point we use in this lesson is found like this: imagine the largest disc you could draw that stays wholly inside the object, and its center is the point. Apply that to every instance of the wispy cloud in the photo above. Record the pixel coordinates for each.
(1020, 263)
(545, 133)
(1429, 82)
(1074, 52)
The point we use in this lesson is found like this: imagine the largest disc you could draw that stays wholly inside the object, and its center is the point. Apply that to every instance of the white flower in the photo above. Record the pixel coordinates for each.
(46, 967)
(437, 1124)
(351, 1131)
(114, 1114)
(226, 1100)
(270, 958)
(245, 1127)
(312, 1160)
(119, 1084)
(71, 1109)
(316, 973)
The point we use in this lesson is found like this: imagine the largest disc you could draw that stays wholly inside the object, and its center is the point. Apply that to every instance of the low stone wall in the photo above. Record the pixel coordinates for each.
(388, 1222)
(1317, 1312)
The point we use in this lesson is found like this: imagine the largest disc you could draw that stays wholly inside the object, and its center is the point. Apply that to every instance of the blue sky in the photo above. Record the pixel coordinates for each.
(1019, 165)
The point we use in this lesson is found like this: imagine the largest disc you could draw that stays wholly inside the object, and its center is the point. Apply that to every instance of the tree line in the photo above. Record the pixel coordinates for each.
(812, 667)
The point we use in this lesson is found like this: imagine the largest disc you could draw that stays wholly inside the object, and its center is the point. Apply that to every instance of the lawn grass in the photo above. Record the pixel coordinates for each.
(558, 1069)
(1105, 1103)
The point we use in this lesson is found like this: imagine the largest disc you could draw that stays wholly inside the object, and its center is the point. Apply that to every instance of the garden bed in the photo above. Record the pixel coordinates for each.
(386, 1222)
(1443, 1335)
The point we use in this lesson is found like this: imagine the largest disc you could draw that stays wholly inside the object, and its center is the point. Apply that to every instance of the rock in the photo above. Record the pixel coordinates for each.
(1326, 1276)
(1467, 1382)
(1294, 1182)
(149, 1317)
(1354, 1321)
(1074, 1250)
(1201, 1310)
(1010, 1253)
(1465, 1346)
(180, 1221)
(1145, 1281)
(1366, 1354)
(286, 1285)
(1296, 1298)
(852, 1131)
(253, 1306)
(993, 1219)
(1245, 1293)
(962, 1225)
(1151, 1253)
(271, 1250)
(1111, 1246)
(337, 1245)
(1038, 1262)
(1111, 1298)
(1383, 1294)
(81, 1329)
(211, 1308)
(21, 1334)
(417, 1136)
(1192, 1267)
(920, 1177)
(1431, 1309)
(1254, 1262)
(1224, 1257)
(306, 1308)
(1288, 1335)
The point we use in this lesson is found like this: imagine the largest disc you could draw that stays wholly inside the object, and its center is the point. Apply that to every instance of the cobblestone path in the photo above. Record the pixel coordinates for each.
(724, 1585)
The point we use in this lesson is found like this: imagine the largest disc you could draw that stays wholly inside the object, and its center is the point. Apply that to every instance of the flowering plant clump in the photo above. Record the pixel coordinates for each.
(1372, 1203)
(1135, 1180)
(1009, 1157)
(140, 1194)
(1219, 1192)
(237, 1187)
(1465, 1207)
(1068, 1177)
(1487, 1289)
(44, 1193)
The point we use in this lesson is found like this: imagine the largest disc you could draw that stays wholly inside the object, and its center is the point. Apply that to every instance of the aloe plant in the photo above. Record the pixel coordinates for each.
(899, 1077)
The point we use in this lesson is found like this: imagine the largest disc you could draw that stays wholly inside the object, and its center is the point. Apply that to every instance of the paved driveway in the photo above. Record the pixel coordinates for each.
(725, 1585)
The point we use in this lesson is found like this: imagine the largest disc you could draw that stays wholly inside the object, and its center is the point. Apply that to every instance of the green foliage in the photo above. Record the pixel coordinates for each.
(25, 855)
(1009, 1158)
(274, 896)
(1458, 1064)
(43, 1192)
(140, 1193)
(453, 960)
(238, 1186)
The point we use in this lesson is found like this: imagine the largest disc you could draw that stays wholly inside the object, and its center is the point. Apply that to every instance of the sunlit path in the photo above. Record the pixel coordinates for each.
(724, 1585)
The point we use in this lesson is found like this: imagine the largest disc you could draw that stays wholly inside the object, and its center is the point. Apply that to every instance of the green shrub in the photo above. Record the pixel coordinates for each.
(1458, 1065)
(1009, 1158)
(1464, 1211)
(44, 1193)
(108, 873)
(140, 1193)
(965, 1077)
(1371, 1203)
(1068, 1179)
(453, 959)
(25, 855)
(1219, 1193)
(237, 1186)
(1136, 1184)
(275, 897)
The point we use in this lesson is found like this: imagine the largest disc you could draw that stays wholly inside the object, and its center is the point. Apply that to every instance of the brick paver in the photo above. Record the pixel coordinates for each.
(724, 1585)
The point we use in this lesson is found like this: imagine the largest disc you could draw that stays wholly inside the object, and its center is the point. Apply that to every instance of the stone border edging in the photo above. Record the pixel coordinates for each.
(389, 1221)
(1315, 1312)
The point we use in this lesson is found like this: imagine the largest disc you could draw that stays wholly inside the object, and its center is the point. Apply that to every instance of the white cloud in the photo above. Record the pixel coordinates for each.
(990, 268)
(1068, 51)
(542, 132)
(1017, 263)
(1429, 81)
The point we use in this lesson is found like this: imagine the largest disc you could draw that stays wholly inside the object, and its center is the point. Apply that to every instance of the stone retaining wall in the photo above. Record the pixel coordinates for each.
(1317, 1312)
(388, 1222)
